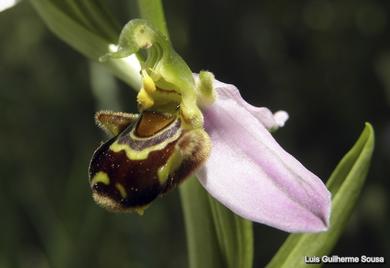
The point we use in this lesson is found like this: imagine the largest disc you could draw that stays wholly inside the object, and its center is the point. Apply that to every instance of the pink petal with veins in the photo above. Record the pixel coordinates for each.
(251, 174)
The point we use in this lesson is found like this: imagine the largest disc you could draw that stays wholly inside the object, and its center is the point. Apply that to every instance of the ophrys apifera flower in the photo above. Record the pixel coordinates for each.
(197, 125)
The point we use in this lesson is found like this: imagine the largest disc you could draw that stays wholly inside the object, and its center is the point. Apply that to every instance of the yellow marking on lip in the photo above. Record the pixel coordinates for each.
(121, 190)
(170, 166)
(100, 177)
(143, 154)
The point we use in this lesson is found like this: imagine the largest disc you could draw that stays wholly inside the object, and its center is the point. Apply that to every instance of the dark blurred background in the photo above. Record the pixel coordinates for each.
(325, 62)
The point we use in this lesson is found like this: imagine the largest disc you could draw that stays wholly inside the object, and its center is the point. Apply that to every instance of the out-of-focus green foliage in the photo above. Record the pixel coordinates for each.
(88, 27)
(325, 62)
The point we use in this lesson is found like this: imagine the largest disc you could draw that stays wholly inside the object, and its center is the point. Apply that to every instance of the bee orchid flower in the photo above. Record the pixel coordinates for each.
(193, 124)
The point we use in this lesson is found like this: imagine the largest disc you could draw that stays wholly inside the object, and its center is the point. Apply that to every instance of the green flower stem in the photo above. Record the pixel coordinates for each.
(235, 236)
(215, 236)
(202, 240)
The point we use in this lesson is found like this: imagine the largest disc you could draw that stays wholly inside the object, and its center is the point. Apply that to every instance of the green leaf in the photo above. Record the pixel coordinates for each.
(345, 185)
(91, 33)
(215, 236)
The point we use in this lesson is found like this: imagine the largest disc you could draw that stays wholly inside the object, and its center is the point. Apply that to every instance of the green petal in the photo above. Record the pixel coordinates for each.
(345, 185)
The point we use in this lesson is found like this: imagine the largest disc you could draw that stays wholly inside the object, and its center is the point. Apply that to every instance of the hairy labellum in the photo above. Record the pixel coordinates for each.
(150, 155)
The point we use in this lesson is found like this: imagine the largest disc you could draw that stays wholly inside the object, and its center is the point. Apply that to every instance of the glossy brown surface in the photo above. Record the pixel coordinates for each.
(151, 123)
